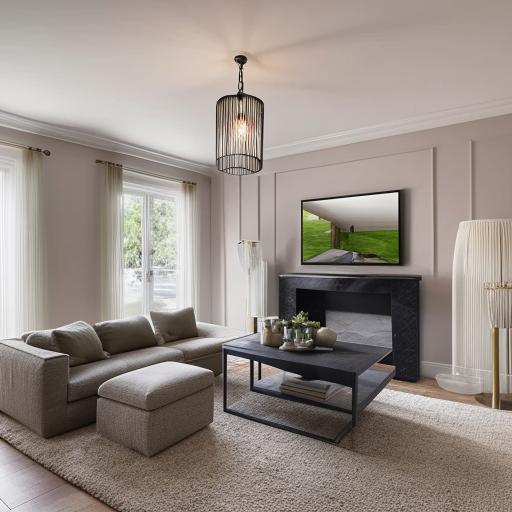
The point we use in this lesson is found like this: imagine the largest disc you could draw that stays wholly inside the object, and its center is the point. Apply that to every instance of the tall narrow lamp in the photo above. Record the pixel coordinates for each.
(249, 254)
(483, 254)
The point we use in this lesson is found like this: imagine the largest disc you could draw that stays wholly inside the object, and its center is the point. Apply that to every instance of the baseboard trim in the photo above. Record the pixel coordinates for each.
(430, 369)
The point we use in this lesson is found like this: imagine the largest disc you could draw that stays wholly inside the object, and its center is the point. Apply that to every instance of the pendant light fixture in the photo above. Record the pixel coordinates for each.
(239, 144)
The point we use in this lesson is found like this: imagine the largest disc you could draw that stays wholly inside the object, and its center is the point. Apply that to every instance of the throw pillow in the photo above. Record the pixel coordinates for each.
(41, 339)
(80, 342)
(124, 335)
(174, 325)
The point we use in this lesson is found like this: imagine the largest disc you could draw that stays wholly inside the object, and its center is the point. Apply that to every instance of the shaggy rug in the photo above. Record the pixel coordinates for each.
(408, 453)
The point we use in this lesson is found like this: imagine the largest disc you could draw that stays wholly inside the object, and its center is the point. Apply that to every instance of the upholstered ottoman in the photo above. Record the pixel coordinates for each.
(153, 408)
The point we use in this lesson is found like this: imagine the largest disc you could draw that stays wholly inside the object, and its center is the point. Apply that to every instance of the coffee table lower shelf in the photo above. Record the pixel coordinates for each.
(347, 402)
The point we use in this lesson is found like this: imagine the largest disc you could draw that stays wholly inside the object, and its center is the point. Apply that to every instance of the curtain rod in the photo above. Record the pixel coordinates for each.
(45, 152)
(147, 173)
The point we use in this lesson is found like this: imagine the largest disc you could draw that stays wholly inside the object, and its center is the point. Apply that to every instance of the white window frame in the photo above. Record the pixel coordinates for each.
(149, 188)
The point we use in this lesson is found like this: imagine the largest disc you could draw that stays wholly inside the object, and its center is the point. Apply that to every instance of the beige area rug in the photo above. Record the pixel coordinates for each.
(408, 453)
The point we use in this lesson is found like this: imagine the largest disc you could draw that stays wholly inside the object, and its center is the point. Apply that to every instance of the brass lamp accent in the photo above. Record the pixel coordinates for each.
(499, 300)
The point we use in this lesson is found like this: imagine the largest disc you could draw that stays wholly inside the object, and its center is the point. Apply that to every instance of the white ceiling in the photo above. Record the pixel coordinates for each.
(149, 73)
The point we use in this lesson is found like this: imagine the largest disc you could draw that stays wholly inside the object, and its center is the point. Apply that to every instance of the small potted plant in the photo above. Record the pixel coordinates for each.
(311, 328)
(305, 329)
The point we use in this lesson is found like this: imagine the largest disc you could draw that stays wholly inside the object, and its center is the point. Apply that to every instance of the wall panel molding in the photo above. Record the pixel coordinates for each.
(353, 160)
(433, 182)
(471, 180)
(275, 219)
(432, 192)
(259, 206)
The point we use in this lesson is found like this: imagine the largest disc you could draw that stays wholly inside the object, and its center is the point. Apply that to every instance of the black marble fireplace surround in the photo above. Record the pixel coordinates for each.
(397, 295)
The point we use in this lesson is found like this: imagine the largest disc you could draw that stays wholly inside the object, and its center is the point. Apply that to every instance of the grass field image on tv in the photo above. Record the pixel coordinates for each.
(362, 229)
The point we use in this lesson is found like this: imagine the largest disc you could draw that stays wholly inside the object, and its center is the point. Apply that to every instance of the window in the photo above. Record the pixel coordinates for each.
(150, 244)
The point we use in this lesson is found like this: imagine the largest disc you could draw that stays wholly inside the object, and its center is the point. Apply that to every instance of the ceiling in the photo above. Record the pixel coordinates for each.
(149, 73)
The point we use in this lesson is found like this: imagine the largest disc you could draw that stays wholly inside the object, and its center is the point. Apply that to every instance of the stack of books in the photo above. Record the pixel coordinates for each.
(317, 390)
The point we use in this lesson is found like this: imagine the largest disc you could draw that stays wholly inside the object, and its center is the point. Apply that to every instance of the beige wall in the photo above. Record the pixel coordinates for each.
(450, 174)
(71, 198)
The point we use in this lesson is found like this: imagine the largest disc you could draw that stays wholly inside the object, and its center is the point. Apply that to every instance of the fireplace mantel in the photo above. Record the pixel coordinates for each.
(403, 293)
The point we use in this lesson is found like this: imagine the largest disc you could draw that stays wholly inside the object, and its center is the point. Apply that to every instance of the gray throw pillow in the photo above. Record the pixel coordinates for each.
(80, 341)
(174, 325)
(124, 335)
(41, 339)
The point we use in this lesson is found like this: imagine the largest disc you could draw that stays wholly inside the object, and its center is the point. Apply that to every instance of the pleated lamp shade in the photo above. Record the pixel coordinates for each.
(483, 254)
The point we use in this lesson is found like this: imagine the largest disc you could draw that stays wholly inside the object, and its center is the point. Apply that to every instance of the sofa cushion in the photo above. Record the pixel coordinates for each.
(174, 325)
(80, 342)
(194, 348)
(85, 380)
(152, 388)
(41, 339)
(127, 334)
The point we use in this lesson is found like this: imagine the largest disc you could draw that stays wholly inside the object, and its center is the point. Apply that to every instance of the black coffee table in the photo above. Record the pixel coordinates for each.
(347, 365)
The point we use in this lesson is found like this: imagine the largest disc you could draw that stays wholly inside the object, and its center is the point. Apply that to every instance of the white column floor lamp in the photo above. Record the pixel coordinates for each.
(483, 254)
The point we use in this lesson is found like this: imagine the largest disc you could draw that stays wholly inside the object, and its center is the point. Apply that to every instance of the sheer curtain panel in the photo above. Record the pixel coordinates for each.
(188, 247)
(22, 251)
(112, 242)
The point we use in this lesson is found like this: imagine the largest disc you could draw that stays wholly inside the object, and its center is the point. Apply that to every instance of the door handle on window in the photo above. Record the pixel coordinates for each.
(149, 275)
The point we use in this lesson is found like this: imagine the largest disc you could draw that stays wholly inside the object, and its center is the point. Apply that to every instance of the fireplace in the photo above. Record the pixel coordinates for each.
(380, 310)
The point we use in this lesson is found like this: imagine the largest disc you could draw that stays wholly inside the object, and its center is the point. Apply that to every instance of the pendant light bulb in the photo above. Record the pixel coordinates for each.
(242, 127)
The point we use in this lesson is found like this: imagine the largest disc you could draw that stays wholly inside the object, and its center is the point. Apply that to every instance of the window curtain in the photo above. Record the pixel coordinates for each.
(112, 242)
(23, 294)
(187, 292)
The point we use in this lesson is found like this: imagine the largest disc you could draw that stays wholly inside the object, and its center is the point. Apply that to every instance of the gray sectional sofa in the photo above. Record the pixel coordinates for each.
(40, 389)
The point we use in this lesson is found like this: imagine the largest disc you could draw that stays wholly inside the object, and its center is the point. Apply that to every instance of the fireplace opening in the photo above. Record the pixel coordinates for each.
(356, 317)
(364, 328)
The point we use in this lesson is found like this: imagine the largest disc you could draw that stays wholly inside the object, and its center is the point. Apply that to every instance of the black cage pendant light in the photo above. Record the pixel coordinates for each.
(239, 147)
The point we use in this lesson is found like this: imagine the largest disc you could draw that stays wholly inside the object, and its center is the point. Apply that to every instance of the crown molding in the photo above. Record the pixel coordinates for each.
(414, 124)
(25, 124)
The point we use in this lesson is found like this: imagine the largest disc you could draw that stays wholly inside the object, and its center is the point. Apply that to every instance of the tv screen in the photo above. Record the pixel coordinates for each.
(361, 229)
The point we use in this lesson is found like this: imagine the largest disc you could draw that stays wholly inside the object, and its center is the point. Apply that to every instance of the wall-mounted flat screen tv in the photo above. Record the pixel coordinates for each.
(360, 229)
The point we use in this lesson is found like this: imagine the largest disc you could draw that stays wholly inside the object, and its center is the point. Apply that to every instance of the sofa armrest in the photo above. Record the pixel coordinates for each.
(206, 330)
(33, 385)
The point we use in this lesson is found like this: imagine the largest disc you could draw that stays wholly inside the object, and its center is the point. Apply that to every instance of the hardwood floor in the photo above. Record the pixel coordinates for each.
(25, 486)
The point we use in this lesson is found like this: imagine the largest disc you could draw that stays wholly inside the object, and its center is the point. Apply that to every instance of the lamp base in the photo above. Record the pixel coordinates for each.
(461, 384)
(505, 400)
